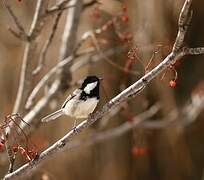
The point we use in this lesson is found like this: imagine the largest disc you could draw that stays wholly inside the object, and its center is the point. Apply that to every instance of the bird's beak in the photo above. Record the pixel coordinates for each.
(100, 79)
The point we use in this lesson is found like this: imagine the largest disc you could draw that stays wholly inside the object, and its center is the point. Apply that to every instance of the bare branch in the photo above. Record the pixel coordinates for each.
(18, 35)
(95, 58)
(187, 115)
(183, 23)
(91, 3)
(25, 76)
(38, 21)
(194, 51)
(11, 157)
(59, 6)
(69, 38)
(47, 45)
(63, 5)
(45, 78)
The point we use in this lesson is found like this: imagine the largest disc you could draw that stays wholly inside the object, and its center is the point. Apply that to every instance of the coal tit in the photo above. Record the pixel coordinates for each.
(81, 103)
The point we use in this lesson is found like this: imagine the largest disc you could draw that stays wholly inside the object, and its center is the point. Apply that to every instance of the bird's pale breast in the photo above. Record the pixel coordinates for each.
(80, 109)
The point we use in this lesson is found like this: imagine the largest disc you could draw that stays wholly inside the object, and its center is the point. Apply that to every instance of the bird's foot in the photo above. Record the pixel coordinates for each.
(74, 128)
(75, 125)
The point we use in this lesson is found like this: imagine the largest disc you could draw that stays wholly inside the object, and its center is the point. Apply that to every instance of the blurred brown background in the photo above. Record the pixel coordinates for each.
(171, 153)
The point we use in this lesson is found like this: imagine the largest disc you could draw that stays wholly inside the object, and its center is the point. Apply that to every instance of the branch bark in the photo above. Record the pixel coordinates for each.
(69, 40)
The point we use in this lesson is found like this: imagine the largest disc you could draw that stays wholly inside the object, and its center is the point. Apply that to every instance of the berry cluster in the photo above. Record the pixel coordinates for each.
(115, 22)
(25, 151)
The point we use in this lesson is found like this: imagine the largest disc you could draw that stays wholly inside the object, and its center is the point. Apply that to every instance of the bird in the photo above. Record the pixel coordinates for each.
(81, 103)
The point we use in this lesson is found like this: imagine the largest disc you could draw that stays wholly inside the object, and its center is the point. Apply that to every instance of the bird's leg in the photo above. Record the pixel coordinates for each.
(75, 123)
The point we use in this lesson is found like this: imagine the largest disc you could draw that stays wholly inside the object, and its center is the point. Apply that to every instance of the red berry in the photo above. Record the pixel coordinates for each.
(172, 83)
(125, 18)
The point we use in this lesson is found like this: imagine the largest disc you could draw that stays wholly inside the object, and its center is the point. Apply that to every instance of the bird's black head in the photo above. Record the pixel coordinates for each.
(90, 86)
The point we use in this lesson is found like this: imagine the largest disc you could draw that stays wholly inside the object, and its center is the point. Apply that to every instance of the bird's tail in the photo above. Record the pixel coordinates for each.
(53, 116)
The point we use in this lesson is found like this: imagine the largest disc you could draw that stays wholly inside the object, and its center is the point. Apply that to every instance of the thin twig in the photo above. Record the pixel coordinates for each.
(63, 5)
(9, 152)
(21, 34)
(194, 51)
(60, 5)
(183, 23)
(91, 34)
(47, 45)
(44, 80)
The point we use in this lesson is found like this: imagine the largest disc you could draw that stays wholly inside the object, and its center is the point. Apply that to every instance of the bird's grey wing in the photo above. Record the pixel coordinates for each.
(74, 94)
(65, 102)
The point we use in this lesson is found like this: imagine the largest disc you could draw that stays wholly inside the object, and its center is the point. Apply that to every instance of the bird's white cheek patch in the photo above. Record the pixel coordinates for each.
(90, 87)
